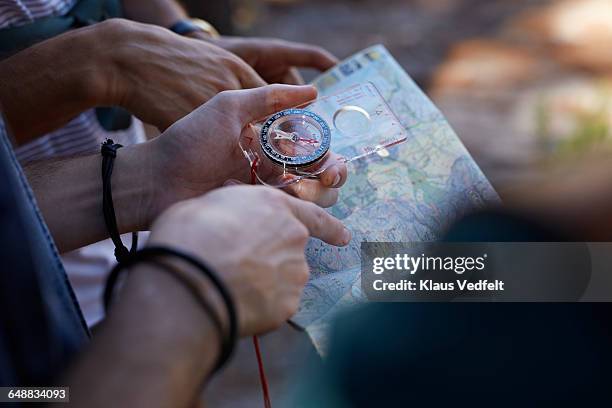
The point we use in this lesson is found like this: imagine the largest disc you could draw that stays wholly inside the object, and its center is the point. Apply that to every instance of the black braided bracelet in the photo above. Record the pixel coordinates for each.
(109, 153)
(152, 254)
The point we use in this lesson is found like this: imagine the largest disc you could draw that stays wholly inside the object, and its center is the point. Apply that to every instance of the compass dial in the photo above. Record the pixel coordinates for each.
(295, 137)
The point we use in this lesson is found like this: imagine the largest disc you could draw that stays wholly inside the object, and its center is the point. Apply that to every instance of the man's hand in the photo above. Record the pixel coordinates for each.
(197, 154)
(201, 151)
(155, 74)
(276, 60)
(158, 336)
(160, 76)
(254, 237)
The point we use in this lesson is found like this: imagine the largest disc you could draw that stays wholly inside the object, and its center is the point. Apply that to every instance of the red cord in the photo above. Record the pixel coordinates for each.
(262, 374)
(254, 171)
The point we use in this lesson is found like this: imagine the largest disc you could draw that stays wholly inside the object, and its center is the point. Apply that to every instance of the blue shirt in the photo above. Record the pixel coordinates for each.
(41, 325)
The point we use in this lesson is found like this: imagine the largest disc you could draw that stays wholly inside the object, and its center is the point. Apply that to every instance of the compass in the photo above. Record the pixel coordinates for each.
(295, 137)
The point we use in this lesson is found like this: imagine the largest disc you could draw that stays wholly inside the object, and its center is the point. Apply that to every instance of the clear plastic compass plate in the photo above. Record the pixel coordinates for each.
(303, 141)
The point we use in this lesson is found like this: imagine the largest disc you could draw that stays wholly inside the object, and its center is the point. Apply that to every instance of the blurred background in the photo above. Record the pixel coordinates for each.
(525, 83)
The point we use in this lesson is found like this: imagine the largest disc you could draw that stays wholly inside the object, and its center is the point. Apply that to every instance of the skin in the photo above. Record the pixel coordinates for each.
(105, 67)
(194, 156)
(273, 264)
(276, 61)
(226, 117)
(141, 355)
(155, 74)
(173, 359)
(157, 337)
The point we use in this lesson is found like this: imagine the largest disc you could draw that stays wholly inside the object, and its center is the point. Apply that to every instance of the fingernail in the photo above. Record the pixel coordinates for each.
(346, 236)
(336, 180)
(231, 182)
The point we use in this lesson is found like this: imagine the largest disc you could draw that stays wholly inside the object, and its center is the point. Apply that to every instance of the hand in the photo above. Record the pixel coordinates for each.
(160, 76)
(254, 237)
(201, 151)
(276, 60)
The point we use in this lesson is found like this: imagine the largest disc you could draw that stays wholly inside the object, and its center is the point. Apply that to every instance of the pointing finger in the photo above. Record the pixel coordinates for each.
(320, 224)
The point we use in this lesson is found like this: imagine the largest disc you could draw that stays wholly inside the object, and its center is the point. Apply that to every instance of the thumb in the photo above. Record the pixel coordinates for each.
(261, 102)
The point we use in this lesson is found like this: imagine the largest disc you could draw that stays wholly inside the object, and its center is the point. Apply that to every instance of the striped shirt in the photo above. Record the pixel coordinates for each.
(14, 13)
(83, 134)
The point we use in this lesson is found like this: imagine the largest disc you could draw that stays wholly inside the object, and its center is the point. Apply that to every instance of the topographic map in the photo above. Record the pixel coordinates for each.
(410, 192)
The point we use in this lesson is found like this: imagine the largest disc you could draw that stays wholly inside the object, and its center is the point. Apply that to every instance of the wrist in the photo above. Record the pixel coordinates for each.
(42, 94)
(105, 83)
(168, 175)
(163, 13)
(194, 28)
(144, 185)
(151, 291)
(135, 188)
(93, 82)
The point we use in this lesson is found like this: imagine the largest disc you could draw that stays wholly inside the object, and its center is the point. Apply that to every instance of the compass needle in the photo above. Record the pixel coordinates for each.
(309, 134)
(281, 135)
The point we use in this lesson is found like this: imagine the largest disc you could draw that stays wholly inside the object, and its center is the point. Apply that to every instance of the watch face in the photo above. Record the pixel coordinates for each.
(295, 137)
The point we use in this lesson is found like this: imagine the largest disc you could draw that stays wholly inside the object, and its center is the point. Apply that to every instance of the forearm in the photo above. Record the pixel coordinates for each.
(159, 12)
(69, 194)
(154, 350)
(37, 100)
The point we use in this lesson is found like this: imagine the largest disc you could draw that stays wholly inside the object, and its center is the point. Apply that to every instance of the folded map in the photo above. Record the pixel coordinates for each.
(410, 192)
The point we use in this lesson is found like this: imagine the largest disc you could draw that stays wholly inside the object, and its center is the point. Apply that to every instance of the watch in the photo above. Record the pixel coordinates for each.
(190, 25)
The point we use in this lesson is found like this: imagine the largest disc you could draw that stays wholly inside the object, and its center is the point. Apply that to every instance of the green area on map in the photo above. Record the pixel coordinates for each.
(411, 192)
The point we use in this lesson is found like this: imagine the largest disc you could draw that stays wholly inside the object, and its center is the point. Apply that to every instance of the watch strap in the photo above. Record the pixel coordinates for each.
(187, 26)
